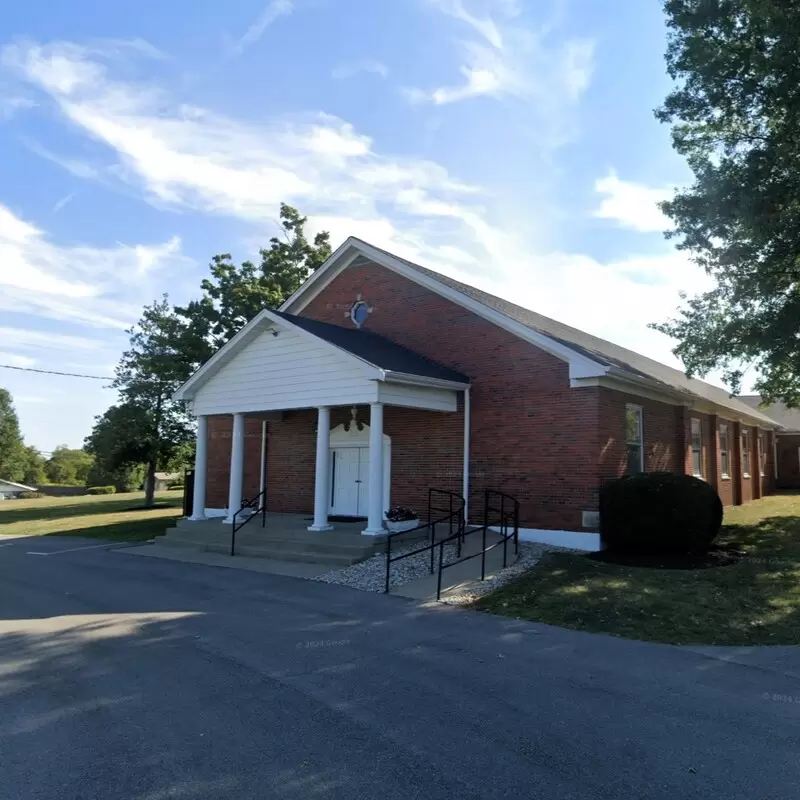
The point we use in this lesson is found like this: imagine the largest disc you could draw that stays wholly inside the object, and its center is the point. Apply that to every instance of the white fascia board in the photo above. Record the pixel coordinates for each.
(579, 365)
(421, 380)
(338, 261)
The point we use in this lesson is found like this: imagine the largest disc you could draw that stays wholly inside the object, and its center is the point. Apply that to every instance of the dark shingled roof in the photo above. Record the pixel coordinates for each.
(375, 349)
(789, 418)
(599, 350)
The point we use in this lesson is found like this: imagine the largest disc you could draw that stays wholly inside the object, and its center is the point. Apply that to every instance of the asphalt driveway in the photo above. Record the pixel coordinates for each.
(128, 677)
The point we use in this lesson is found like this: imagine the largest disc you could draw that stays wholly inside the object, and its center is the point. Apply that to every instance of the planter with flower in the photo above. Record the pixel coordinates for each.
(400, 518)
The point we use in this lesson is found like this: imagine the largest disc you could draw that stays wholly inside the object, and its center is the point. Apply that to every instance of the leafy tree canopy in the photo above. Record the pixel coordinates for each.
(147, 426)
(12, 448)
(234, 295)
(68, 466)
(735, 116)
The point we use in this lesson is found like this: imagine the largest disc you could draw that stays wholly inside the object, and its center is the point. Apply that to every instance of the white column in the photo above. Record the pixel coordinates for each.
(200, 470)
(322, 475)
(375, 507)
(237, 467)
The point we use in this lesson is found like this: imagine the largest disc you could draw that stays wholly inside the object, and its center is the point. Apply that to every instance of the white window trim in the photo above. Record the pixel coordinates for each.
(640, 443)
(745, 436)
(699, 421)
(762, 454)
(725, 475)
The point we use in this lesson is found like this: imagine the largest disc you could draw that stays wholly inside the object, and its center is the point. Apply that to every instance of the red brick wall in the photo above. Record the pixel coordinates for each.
(219, 459)
(532, 435)
(788, 466)
(661, 445)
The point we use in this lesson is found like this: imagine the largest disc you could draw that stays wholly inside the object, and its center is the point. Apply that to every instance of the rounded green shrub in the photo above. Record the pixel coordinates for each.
(29, 495)
(101, 490)
(661, 512)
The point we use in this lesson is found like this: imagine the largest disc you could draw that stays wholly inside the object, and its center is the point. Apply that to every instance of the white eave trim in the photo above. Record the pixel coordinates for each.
(580, 366)
(422, 380)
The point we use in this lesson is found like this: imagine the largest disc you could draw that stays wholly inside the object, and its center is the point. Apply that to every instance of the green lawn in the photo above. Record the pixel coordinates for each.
(110, 516)
(756, 601)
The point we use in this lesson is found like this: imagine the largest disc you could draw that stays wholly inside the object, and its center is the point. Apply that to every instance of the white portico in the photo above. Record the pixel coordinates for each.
(281, 363)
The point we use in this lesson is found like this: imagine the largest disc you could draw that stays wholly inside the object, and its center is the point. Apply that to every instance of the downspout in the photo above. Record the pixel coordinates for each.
(262, 481)
(775, 455)
(465, 487)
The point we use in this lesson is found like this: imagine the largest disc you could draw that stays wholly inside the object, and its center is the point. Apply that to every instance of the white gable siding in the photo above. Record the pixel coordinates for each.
(400, 394)
(282, 372)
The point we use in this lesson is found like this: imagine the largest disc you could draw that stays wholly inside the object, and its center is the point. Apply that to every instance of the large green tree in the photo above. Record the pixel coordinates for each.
(234, 295)
(12, 448)
(69, 466)
(147, 426)
(735, 116)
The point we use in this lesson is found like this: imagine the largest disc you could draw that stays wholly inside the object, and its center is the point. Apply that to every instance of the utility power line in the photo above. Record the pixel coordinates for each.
(54, 372)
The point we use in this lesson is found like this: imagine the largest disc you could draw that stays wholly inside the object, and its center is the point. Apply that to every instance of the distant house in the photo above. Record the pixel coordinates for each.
(163, 480)
(9, 490)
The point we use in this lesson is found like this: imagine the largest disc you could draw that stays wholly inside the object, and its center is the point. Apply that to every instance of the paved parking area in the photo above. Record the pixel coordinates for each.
(137, 678)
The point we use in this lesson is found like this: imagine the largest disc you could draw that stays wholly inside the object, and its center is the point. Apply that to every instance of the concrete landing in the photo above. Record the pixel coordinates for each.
(284, 538)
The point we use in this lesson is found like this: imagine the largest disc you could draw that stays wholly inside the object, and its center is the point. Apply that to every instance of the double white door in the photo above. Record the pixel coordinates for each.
(349, 481)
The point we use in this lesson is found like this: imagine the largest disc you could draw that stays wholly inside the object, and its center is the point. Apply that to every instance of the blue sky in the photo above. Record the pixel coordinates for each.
(509, 143)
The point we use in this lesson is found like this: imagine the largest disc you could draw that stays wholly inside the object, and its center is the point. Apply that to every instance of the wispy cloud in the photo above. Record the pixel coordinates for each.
(367, 65)
(512, 59)
(631, 204)
(90, 286)
(63, 201)
(272, 11)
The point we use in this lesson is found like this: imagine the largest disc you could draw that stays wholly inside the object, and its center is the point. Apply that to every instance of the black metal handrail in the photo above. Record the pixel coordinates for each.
(453, 516)
(251, 504)
(505, 516)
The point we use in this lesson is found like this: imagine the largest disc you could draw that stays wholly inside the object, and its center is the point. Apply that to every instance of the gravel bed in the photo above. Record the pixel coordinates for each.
(370, 575)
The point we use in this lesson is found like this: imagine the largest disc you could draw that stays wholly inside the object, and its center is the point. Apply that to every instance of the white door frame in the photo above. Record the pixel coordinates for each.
(351, 436)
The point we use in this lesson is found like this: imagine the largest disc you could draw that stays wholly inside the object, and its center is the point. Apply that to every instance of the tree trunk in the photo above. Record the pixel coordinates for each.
(150, 485)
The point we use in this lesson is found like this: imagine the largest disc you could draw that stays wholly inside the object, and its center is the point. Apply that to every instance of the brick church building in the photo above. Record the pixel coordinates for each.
(379, 379)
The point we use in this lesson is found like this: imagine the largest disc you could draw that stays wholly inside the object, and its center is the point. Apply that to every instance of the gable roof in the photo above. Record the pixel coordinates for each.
(376, 349)
(17, 487)
(787, 418)
(588, 356)
(388, 360)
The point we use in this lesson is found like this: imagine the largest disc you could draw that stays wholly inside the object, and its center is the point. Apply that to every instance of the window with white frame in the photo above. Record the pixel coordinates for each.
(724, 451)
(697, 447)
(746, 454)
(634, 439)
(762, 454)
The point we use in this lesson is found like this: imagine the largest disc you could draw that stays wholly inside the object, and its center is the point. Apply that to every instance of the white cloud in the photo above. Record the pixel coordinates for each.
(16, 360)
(510, 60)
(272, 11)
(194, 158)
(91, 286)
(631, 204)
(367, 65)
